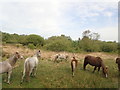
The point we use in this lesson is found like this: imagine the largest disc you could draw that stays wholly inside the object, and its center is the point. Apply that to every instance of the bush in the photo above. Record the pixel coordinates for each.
(87, 45)
(109, 47)
(19, 45)
(34, 39)
(58, 44)
(31, 46)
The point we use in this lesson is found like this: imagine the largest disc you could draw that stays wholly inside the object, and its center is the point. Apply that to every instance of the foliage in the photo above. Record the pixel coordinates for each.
(31, 46)
(58, 43)
(34, 39)
(88, 43)
(109, 47)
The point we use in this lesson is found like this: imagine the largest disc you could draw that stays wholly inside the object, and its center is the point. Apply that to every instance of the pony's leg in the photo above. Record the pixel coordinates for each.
(119, 69)
(31, 71)
(23, 76)
(73, 73)
(98, 69)
(94, 69)
(34, 72)
(54, 60)
(72, 70)
(9, 75)
(5, 79)
(84, 67)
(28, 74)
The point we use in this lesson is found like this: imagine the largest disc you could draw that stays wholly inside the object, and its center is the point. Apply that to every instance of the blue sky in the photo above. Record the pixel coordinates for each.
(55, 17)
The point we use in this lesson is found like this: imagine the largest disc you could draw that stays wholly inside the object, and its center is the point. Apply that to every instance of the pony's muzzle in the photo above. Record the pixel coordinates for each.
(106, 75)
(21, 57)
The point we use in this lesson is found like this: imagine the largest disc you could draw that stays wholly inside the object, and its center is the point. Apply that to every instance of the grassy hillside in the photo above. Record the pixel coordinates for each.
(58, 75)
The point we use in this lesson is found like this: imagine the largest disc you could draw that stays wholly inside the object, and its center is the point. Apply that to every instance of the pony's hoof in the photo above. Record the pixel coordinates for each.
(8, 83)
(21, 82)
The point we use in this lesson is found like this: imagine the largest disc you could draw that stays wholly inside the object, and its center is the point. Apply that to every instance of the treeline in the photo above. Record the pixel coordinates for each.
(88, 43)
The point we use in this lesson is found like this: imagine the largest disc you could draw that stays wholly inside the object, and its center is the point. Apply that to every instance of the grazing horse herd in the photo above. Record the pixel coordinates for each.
(30, 64)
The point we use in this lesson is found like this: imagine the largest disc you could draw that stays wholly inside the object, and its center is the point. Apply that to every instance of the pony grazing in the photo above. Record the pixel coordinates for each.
(30, 65)
(60, 57)
(118, 62)
(7, 66)
(73, 65)
(97, 62)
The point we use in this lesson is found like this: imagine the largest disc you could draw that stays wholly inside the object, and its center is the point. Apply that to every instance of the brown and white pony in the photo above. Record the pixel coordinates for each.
(73, 65)
(97, 62)
(8, 65)
(60, 57)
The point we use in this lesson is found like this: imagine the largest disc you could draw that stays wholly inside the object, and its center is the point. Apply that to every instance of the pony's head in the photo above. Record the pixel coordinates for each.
(38, 53)
(105, 71)
(17, 55)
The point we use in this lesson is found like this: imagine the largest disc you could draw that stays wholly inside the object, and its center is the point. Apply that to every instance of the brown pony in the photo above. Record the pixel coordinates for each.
(97, 62)
(118, 62)
(73, 65)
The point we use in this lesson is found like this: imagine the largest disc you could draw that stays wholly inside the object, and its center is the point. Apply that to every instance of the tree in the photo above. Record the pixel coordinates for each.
(94, 36)
(35, 39)
(89, 34)
(86, 33)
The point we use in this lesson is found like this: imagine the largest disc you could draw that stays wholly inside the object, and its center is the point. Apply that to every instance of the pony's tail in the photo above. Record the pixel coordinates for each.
(27, 67)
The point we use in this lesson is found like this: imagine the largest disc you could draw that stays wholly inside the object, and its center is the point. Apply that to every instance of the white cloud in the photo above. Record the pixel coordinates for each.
(109, 33)
(47, 18)
(109, 14)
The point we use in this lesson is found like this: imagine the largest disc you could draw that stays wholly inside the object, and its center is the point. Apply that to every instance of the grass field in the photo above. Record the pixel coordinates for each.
(58, 75)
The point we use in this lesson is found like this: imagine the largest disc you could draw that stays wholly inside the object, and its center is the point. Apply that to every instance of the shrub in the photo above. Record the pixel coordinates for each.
(31, 46)
(109, 47)
(35, 39)
(58, 44)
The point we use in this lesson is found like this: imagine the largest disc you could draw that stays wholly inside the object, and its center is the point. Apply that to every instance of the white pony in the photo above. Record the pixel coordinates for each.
(30, 66)
(8, 65)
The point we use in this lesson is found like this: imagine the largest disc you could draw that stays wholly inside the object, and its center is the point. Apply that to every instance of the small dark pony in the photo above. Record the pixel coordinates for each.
(73, 65)
(118, 62)
(97, 62)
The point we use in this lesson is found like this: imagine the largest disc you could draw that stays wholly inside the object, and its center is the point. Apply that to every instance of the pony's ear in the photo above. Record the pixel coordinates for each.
(73, 57)
(106, 67)
(16, 52)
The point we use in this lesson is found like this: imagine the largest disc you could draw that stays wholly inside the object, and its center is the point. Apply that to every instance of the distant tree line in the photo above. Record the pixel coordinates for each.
(88, 43)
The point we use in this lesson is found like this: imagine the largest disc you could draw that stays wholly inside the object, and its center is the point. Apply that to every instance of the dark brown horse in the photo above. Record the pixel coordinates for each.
(97, 62)
(118, 62)
(73, 65)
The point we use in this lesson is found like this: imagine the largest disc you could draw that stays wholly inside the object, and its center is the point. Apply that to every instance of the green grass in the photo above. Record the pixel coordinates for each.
(58, 75)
